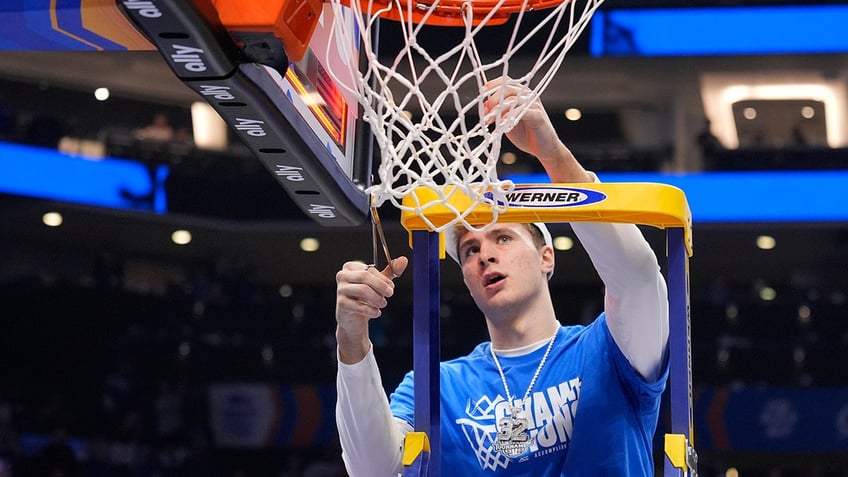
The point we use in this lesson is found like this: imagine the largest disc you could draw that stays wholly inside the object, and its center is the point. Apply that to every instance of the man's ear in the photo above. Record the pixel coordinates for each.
(548, 259)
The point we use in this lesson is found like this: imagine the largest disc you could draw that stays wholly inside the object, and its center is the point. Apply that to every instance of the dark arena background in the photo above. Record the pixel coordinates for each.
(167, 310)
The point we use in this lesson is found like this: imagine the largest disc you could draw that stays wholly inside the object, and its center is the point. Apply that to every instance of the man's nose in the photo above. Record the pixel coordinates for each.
(487, 256)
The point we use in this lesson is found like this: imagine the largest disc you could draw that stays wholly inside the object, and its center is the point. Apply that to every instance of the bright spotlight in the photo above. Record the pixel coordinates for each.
(101, 94)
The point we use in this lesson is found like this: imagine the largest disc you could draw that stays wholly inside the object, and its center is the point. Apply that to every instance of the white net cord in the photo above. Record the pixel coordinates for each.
(424, 99)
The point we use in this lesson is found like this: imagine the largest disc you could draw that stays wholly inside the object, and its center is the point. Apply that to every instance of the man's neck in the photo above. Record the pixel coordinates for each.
(533, 324)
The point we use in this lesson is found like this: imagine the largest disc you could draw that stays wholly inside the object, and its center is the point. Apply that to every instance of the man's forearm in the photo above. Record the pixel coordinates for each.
(352, 347)
(371, 441)
(562, 166)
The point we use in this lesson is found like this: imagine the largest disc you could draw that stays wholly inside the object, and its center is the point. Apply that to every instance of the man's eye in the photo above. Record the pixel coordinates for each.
(471, 250)
(504, 238)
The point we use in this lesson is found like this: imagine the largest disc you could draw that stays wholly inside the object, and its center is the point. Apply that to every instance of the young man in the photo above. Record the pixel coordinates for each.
(540, 399)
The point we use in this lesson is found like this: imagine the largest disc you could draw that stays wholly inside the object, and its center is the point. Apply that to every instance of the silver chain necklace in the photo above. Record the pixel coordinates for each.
(512, 439)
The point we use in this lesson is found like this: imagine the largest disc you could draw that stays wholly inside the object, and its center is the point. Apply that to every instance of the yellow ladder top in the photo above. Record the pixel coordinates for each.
(643, 203)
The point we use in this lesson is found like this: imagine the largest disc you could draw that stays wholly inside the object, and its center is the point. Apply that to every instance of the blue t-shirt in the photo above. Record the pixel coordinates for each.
(589, 412)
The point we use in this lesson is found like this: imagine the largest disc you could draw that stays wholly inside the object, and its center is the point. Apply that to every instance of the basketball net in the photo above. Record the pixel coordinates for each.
(438, 138)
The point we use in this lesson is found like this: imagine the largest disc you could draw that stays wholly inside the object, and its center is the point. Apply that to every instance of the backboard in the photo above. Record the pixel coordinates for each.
(294, 118)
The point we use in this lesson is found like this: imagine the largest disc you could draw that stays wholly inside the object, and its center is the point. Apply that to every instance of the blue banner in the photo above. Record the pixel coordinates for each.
(258, 415)
(750, 196)
(103, 182)
(795, 29)
(772, 420)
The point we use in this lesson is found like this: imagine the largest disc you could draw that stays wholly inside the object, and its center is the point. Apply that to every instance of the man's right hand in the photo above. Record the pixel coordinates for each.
(361, 293)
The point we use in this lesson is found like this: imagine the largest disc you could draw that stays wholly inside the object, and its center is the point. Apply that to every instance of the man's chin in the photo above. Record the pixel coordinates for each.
(491, 302)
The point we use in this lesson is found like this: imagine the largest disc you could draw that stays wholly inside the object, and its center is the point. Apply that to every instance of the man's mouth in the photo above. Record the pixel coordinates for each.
(493, 279)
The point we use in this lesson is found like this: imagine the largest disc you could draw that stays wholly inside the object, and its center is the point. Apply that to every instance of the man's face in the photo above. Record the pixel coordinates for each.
(503, 266)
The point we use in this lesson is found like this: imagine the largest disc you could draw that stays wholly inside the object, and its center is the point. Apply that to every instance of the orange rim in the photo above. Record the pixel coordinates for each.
(452, 12)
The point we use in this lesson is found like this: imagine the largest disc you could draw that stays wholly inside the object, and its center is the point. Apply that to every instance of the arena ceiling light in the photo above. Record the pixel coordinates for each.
(720, 91)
